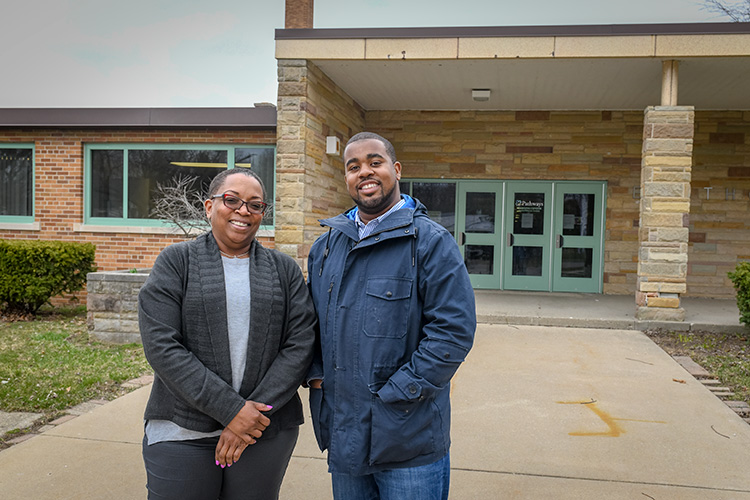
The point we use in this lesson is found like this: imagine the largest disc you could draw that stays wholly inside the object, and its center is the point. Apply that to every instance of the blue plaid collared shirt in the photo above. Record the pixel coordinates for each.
(366, 230)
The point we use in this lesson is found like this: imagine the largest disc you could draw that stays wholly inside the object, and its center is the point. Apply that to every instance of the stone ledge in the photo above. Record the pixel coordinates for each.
(17, 420)
(62, 420)
(660, 314)
(692, 367)
(741, 408)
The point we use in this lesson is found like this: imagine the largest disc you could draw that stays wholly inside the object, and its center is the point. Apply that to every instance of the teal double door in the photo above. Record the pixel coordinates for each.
(532, 235)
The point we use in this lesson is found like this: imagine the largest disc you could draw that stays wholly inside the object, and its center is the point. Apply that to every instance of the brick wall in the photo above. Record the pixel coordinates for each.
(59, 187)
(507, 145)
(719, 201)
(298, 14)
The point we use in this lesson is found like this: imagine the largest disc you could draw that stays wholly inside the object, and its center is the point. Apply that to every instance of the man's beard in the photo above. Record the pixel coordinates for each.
(374, 204)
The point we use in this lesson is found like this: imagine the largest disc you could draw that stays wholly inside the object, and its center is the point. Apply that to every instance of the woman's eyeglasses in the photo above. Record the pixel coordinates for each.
(235, 203)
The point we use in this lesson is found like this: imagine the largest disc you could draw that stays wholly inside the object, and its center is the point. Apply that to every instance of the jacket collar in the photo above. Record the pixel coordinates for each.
(400, 218)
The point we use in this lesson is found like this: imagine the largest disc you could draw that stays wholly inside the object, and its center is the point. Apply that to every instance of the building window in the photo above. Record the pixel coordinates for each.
(122, 180)
(438, 197)
(17, 183)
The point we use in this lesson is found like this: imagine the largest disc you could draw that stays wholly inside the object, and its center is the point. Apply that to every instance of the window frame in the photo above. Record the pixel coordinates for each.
(23, 219)
(125, 222)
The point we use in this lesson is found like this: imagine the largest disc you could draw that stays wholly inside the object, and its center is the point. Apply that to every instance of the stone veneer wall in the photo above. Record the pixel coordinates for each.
(719, 201)
(549, 145)
(112, 305)
(310, 183)
(602, 145)
(515, 145)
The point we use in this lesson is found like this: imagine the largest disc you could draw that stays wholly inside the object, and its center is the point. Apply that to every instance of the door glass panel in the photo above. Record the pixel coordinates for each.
(527, 261)
(480, 212)
(528, 214)
(578, 214)
(479, 259)
(577, 262)
(440, 200)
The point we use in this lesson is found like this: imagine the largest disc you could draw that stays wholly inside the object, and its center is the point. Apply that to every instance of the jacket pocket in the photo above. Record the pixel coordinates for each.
(401, 431)
(318, 410)
(387, 304)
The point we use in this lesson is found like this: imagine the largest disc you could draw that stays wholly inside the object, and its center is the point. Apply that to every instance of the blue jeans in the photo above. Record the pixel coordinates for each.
(426, 482)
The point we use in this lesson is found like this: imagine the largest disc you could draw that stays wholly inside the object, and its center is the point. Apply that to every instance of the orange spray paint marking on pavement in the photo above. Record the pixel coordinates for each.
(614, 430)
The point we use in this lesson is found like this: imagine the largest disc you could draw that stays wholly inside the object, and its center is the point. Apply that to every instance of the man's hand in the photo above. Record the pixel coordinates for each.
(229, 449)
(316, 383)
(250, 423)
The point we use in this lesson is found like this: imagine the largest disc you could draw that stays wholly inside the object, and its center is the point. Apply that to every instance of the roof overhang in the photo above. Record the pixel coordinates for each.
(530, 67)
(245, 118)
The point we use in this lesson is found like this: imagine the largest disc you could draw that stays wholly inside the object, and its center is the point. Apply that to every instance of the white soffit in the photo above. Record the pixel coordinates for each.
(540, 84)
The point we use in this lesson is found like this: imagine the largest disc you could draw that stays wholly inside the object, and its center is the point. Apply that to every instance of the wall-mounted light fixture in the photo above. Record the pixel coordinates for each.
(480, 95)
(333, 145)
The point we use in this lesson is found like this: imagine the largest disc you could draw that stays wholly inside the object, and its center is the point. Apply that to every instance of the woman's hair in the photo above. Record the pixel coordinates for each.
(218, 181)
(372, 135)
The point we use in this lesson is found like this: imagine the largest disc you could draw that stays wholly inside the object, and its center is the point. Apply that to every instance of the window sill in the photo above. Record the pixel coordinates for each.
(89, 228)
(20, 226)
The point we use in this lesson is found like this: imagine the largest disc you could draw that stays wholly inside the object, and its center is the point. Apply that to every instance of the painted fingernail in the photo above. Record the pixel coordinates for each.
(229, 465)
(270, 407)
(223, 466)
(217, 462)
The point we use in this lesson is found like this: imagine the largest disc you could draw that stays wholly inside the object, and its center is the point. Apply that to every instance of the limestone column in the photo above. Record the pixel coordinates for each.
(666, 164)
(289, 210)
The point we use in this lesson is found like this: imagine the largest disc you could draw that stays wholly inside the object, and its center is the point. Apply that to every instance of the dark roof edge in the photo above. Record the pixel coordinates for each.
(517, 31)
(257, 117)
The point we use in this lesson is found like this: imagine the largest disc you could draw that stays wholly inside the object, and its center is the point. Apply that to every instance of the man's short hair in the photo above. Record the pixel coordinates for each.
(372, 135)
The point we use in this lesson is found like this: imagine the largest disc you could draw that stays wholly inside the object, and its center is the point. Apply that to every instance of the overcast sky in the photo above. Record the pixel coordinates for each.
(182, 53)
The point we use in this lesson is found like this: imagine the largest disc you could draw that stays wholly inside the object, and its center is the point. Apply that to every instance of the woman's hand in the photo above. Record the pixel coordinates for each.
(250, 423)
(229, 449)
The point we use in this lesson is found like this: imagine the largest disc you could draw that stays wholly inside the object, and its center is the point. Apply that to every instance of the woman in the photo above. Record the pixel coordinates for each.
(228, 327)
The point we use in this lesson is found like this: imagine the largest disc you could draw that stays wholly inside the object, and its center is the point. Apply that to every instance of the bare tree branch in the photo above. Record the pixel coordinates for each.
(180, 203)
(739, 12)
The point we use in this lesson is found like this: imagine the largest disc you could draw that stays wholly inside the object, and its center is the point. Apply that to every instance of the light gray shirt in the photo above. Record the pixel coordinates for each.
(237, 284)
(237, 287)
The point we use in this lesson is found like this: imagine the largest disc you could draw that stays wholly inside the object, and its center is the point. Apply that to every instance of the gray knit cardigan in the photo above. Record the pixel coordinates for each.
(182, 315)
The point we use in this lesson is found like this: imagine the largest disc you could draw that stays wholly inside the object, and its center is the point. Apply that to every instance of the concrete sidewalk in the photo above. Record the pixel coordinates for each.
(538, 412)
(601, 311)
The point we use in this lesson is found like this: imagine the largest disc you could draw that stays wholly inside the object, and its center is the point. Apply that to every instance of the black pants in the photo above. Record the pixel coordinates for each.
(185, 470)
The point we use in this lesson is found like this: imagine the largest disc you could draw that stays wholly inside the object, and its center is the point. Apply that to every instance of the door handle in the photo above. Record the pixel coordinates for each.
(510, 239)
(559, 241)
(461, 238)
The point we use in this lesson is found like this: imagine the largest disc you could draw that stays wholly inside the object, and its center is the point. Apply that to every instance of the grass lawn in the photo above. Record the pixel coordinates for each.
(725, 356)
(50, 364)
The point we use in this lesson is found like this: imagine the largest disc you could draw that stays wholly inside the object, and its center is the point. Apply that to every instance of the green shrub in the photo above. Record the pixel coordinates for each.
(31, 272)
(741, 280)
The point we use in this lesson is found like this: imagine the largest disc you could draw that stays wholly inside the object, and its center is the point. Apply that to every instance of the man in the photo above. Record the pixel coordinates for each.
(397, 318)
